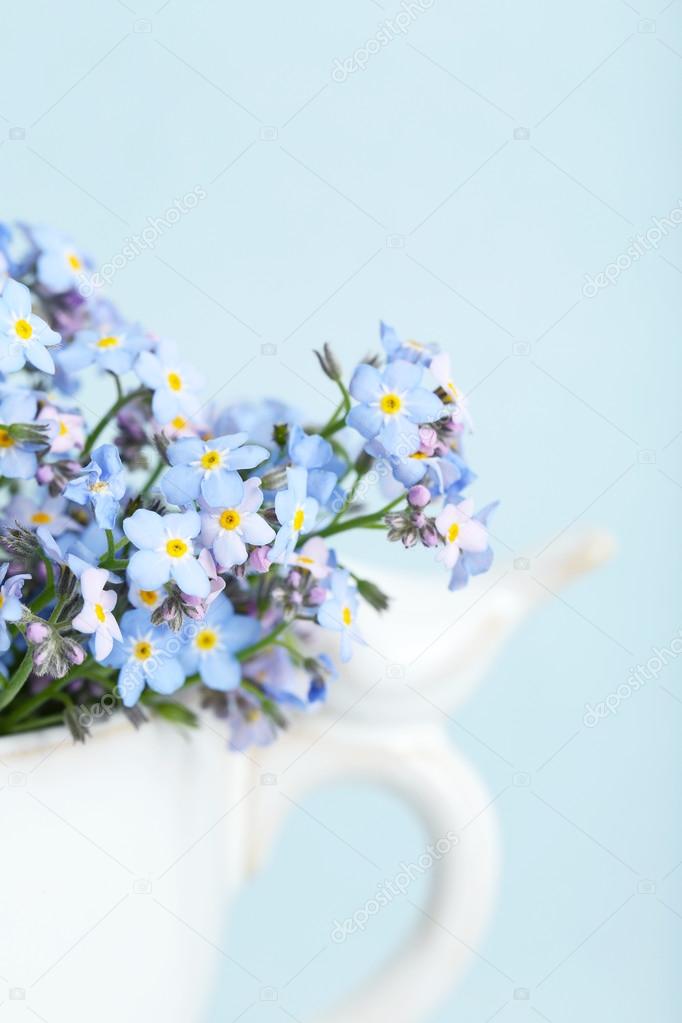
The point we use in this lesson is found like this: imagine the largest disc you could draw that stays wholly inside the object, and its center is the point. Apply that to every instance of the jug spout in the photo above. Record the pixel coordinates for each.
(472, 641)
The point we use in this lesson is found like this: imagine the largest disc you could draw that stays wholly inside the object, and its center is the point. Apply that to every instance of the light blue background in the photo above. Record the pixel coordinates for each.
(406, 192)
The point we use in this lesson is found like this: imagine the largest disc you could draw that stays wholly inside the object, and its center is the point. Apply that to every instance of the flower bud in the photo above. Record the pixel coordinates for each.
(419, 496)
(37, 632)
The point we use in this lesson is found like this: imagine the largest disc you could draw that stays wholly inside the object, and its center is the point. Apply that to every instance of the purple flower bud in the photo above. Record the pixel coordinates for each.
(430, 536)
(37, 632)
(317, 595)
(419, 496)
(75, 653)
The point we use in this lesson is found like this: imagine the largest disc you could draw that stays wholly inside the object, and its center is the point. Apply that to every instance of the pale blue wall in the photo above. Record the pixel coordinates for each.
(402, 192)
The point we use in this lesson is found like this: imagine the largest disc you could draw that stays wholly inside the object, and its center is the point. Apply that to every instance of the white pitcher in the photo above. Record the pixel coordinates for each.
(118, 861)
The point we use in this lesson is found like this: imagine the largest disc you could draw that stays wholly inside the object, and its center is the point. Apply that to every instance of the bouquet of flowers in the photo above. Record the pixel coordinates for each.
(167, 544)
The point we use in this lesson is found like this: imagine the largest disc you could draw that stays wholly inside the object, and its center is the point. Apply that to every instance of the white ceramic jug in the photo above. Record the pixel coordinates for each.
(118, 861)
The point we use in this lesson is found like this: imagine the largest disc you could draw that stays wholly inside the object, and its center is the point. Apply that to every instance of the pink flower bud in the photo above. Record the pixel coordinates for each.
(317, 595)
(419, 496)
(37, 632)
(75, 653)
(258, 559)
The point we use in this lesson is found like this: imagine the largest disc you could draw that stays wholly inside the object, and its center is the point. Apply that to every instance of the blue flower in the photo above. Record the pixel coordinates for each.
(112, 346)
(339, 611)
(249, 724)
(60, 265)
(146, 655)
(227, 531)
(316, 454)
(296, 512)
(392, 405)
(23, 336)
(11, 608)
(166, 551)
(211, 651)
(174, 384)
(411, 351)
(209, 469)
(102, 485)
(17, 458)
(473, 562)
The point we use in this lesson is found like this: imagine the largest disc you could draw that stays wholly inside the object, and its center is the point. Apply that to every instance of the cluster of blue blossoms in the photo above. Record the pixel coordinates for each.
(169, 545)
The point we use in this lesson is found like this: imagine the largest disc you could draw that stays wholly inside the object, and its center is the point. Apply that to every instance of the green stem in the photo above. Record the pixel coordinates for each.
(17, 680)
(370, 521)
(249, 651)
(88, 667)
(108, 416)
(29, 726)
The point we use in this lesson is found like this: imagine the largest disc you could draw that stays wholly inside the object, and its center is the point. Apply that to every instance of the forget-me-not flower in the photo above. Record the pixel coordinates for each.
(95, 617)
(411, 351)
(475, 555)
(60, 264)
(11, 608)
(166, 551)
(17, 457)
(146, 655)
(112, 346)
(392, 405)
(296, 513)
(49, 512)
(228, 530)
(211, 651)
(461, 532)
(24, 337)
(174, 383)
(209, 469)
(339, 612)
(102, 485)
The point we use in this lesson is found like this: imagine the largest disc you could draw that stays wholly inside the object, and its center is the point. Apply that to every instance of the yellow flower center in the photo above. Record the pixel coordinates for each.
(99, 611)
(179, 423)
(174, 381)
(24, 330)
(303, 559)
(99, 487)
(176, 548)
(230, 519)
(419, 454)
(2, 600)
(63, 428)
(347, 616)
(108, 342)
(142, 650)
(148, 597)
(206, 639)
(5, 440)
(211, 460)
(41, 518)
(73, 261)
(453, 532)
(390, 404)
(299, 519)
